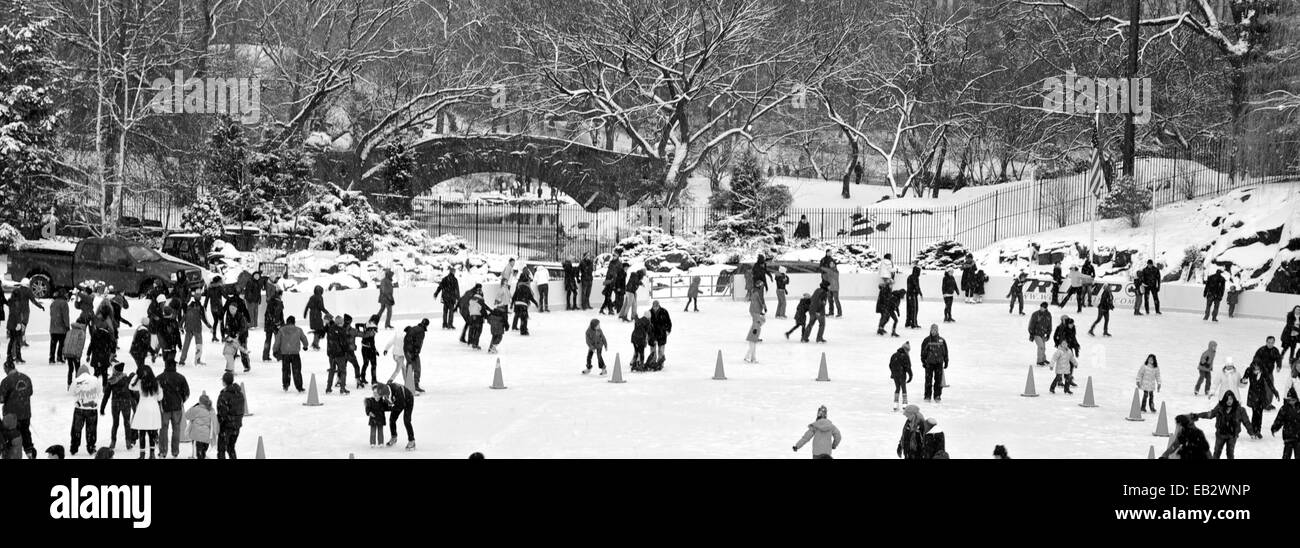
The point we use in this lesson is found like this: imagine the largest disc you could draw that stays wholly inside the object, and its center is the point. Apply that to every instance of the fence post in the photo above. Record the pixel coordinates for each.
(557, 230)
(476, 217)
(439, 216)
(997, 213)
(911, 232)
(821, 230)
(519, 219)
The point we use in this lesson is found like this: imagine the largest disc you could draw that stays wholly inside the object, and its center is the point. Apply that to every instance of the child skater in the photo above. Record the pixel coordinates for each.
(640, 330)
(693, 294)
(497, 322)
(375, 408)
(800, 314)
(232, 351)
(200, 430)
(1205, 368)
(1148, 379)
(595, 344)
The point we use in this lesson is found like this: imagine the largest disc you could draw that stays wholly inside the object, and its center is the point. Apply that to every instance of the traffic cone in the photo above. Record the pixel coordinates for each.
(497, 383)
(1151, 453)
(1162, 423)
(1030, 392)
(313, 398)
(718, 375)
(248, 411)
(352, 455)
(1135, 414)
(261, 450)
(822, 374)
(1087, 395)
(618, 371)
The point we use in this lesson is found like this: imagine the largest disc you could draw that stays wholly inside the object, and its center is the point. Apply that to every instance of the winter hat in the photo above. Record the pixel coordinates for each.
(205, 401)
(821, 412)
(1185, 421)
(1227, 362)
(160, 299)
(911, 409)
(1290, 394)
(781, 269)
(144, 325)
(119, 367)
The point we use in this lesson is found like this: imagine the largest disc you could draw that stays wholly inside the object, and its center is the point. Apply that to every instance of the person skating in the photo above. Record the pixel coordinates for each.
(118, 390)
(147, 418)
(253, 299)
(1228, 380)
(463, 305)
(214, 299)
(596, 344)
(1228, 417)
(968, 278)
(886, 270)
(640, 334)
(496, 321)
(400, 403)
(200, 427)
(934, 358)
(1151, 286)
(230, 416)
(1104, 305)
(272, 320)
(353, 331)
(1056, 283)
(235, 325)
(386, 300)
(913, 298)
(1215, 287)
(950, 291)
(1288, 421)
(817, 313)
(449, 290)
(693, 294)
(231, 350)
(60, 323)
(315, 313)
(884, 307)
(168, 335)
(911, 445)
(412, 346)
(628, 312)
(522, 298)
(74, 345)
(608, 288)
(1257, 396)
(175, 391)
(571, 277)
(782, 280)
(542, 278)
(759, 276)
(1291, 334)
(1269, 359)
(1135, 278)
(142, 344)
(1233, 294)
(86, 391)
(618, 273)
(831, 275)
(194, 321)
(978, 284)
(1017, 293)
(660, 326)
(290, 339)
(585, 269)
(1189, 443)
(19, 318)
(757, 319)
(375, 408)
(800, 315)
(1205, 368)
(1089, 274)
(1148, 380)
(824, 436)
(1075, 279)
(900, 371)
(336, 349)
(369, 351)
(1065, 332)
(1063, 362)
(477, 310)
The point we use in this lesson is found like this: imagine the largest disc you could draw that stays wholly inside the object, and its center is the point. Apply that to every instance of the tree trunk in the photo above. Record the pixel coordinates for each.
(852, 167)
(938, 167)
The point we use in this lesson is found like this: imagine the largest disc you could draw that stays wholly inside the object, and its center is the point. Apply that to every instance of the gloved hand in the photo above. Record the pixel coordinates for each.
(794, 448)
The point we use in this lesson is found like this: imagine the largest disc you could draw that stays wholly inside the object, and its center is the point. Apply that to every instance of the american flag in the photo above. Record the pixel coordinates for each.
(1096, 176)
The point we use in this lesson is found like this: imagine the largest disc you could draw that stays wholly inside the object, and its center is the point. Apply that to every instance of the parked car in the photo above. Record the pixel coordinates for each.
(129, 266)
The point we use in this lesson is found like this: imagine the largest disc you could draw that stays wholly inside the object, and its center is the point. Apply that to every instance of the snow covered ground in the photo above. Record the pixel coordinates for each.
(552, 411)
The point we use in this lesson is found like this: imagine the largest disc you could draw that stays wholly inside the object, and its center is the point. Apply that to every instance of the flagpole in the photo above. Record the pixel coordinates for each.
(1092, 223)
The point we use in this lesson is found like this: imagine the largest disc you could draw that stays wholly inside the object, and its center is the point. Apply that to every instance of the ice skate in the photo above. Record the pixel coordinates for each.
(410, 445)
(603, 371)
(391, 442)
(586, 371)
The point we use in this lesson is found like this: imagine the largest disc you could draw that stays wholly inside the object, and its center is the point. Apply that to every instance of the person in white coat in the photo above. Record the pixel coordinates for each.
(148, 410)
(86, 388)
(1228, 380)
(824, 435)
(1148, 379)
(542, 277)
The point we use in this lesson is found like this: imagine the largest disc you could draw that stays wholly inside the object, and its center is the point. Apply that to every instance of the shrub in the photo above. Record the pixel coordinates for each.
(1126, 200)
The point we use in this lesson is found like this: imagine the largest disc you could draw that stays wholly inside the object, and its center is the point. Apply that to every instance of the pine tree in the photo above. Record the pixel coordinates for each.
(397, 174)
(28, 117)
(1126, 200)
(751, 195)
(203, 216)
(223, 169)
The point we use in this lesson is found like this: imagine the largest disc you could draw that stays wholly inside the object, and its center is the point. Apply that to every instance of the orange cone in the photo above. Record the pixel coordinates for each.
(1151, 453)
(718, 375)
(497, 382)
(1030, 392)
(1135, 414)
(618, 371)
(1162, 423)
(1087, 395)
(352, 455)
(313, 397)
(248, 411)
(822, 374)
(261, 450)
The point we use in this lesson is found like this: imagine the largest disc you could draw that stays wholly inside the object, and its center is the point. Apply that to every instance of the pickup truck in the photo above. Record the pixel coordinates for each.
(128, 266)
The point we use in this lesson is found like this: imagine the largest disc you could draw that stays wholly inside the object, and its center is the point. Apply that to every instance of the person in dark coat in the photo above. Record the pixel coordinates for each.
(1151, 286)
(272, 320)
(235, 324)
(782, 280)
(16, 399)
(817, 313)
(801, 315)
(1288, 421)
(802, 229)
(449, 289)
(950, 290)
(60, 324)
(1057, 278)
(1228, 417)
(900, 371)
(463, 304)
(1215, 286)
(935, 446)
(315, 313)
(596, 345)
(336, 351)
(497, 322)
(214, 299)
(1089, 279)
(1291, 334)
(571, 277)
(412, 346)
(1257, 397)
(401, 402)
(1040, 330)
(640, 334)
(934, 358)
(175, 390)
(253, 297)
(1017, 293)
(967, 277)
(1269, 359)
(911, 445)
(386, 300)
(118, 390)
(660, 326)
(230, 416)
(1104, 306)
(913, 298)
(585, 270)
(1190, 442)
(522, 298)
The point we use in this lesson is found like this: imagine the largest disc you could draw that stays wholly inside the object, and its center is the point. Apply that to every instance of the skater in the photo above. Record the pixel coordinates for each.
(640, 332)
(1151, 286)
(147, 418)
(200, 428)
(496, 321)
(118, 390)
(175, 391)
(142, 344)
(596, 344)
(571, 276)
(19, 318)
(1227, 381)
(1228, 417)
(214, 299)
(634, 280)
(608, 288)
(272, 320)
(950, 290)
(977, 285)
(1257, 397)
(1190, 443)
(1065, 332)
(1075, 280)
(369, 351)
(86, 390)
(59, 325)
(1088, 275)
(477, 311)
(660, 326)
(913, 298)
(463, 304)
(911, 445)
(900, 371)
(1064, 363)
(1269, 359)
(886, 270)
(542, 277)
(1148, 379)
(235, 326)
(934, 358)
(1213, 293)
(413, 345)
(1233, 294)
(522, 298)
(800, 315)
(585, 269)
(230, 416)
(817, 313)
(693, 294)
(194, 321)
(885, 308)
(831, 276)
(757, 320)
(1291, 335)
(1288, 421)
(336, 351)
(74, 345)
(353, 332)
(1104, 306)
(375, 407)
(759, 275)
(230, 349)
(802, 229)
(824, 435)
(253, 298)
(1017, 293)
(290, 339)
(399, 401)
(1204, 368)
(315, 313)
(1056, 283)
(449, 289)
(1135, 277)
(967, 277)
(781, 279)
(508, 273)
(386, 300)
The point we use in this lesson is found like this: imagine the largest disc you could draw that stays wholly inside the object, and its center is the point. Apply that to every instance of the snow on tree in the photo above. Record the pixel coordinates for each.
(223, 168)
(28, 117)
(397, 172)
(751, 195)
(203, 216)
(1126, 200)
(277, 177)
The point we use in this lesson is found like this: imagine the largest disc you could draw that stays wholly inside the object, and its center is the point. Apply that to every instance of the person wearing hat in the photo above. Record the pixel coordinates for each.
(950, 290)
(1288, 421)
(401, 402)
(19, 316)
(118, 389)
(800, 315)
(1189, 443)
(86, 391)
(781, 279)
(824, 436)
(230, 416)
(1076, 289)
(934, 441)
(449, 290)
(817, 313)
(386, 300)
(911, 445)
(200, 428)
(693, 294)
(1229, 417)
(142, 344)
(1000, 452)
(900, 371)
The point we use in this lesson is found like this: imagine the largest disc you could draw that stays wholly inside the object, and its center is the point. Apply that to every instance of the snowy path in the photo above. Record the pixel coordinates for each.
(552, 411)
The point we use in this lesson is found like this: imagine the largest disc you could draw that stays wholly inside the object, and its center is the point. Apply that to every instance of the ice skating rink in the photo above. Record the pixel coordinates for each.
(550, 410)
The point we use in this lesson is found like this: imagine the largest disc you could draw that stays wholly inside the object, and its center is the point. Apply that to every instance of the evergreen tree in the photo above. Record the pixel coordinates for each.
(1126, 200)
(203, 216)
(751, 195)
(223, 169)
(397, 173)
(28, 117)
